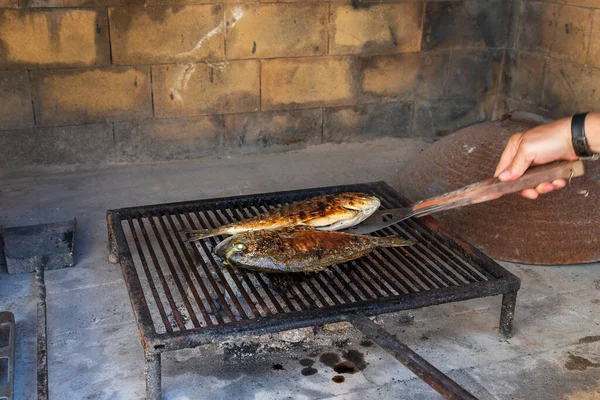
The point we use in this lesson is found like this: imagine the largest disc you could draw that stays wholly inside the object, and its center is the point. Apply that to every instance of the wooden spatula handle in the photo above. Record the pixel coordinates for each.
(493, 188)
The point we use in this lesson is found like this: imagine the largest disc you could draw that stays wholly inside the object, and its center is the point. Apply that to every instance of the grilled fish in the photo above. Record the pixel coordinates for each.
(298, 249)
(331, 212)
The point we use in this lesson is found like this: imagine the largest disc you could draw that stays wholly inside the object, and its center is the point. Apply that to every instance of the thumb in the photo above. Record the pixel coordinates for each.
(522, 160)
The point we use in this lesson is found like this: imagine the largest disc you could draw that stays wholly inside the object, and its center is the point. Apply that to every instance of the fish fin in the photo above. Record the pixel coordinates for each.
(394, 241)
(199, 234)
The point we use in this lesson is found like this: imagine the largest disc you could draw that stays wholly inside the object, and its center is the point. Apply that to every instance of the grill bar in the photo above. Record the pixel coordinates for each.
(364, 269)
(224, 221)
(387, 199)
(408, 272)
(433, 255)
(238, 283)
(259, 277)
(421, 263)
(185, 266)
(448, 274)
(388, 276)
(200, 281)
(161, 277)
(157, 300)
(321, 280)
(208, 274)
(174, 274)
(218, 270)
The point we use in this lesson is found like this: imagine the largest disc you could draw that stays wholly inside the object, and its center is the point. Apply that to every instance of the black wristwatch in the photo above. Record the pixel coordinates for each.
(582, 150)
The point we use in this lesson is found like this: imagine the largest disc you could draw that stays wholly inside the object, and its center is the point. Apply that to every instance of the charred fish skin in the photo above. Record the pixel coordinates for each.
(330, 212)
(298, 249)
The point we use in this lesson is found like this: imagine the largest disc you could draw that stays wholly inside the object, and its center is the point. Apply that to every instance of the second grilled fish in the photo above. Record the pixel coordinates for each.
(298, 249)
(331, 212)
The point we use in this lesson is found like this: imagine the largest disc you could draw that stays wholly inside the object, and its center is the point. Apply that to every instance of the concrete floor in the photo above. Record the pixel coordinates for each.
(94, 349)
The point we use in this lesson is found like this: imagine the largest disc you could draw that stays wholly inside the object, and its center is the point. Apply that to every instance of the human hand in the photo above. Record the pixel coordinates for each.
(540, 145)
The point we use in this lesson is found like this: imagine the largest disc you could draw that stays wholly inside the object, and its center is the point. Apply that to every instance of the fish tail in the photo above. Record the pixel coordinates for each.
(199, 234)
(394, 241)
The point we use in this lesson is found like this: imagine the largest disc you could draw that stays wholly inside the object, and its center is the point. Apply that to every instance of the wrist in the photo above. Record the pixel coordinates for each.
(564, 129)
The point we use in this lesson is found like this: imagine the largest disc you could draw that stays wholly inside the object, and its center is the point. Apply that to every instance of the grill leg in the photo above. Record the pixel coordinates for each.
(153, 378)
(411, 360)
(113, 256)
(507, 314)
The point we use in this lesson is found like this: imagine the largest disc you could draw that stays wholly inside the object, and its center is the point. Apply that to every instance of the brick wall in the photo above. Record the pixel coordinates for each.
(111, 81)
(553, 62)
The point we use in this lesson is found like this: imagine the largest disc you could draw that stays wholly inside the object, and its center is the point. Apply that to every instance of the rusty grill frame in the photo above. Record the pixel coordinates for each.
(432, 262)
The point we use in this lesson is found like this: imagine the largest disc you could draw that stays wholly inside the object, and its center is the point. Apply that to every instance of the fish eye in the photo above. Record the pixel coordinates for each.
(240, 246)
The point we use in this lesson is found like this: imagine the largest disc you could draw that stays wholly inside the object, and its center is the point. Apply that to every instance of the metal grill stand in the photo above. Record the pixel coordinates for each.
(183, 297)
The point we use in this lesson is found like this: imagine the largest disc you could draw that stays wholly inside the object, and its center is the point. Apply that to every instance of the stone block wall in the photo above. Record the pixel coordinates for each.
(553, 60)
(90, 82)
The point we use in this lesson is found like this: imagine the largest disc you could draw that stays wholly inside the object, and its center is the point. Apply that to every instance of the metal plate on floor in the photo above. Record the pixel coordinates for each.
(51, 245)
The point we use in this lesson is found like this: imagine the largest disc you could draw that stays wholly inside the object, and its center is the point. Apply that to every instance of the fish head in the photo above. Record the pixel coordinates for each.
(250, 250)
(354, 207)
(360, 202)
(232, 250)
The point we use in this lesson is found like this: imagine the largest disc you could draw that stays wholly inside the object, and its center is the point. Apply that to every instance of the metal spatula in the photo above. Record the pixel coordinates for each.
(479, 192)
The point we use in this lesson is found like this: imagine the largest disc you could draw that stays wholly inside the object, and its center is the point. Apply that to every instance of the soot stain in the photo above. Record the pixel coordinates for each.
(341, 343)
(338, 379)
(357, 358)
(406, 319)
(393, 35)
(68, 237)
(358, 4)
(346, 367)
(589, 339)
(329, 359)
(308, 371)
(366, 343)
(277, 367)
(307, 362)
(577, 363)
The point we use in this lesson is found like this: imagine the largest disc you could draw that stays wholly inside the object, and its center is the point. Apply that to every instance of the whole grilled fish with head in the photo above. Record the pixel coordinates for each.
(298, 249)
(331, 212)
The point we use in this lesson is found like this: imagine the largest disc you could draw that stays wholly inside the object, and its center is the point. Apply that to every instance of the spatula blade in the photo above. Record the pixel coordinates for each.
(379, 220)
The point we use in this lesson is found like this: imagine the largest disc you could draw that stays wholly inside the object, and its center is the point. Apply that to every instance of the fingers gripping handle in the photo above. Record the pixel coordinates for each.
(493, 188)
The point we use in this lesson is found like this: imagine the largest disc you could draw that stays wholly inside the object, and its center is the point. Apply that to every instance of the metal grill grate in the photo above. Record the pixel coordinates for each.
(181, 290)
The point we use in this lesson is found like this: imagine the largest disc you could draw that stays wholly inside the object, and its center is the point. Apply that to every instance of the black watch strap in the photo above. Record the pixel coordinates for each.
(578, 136)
